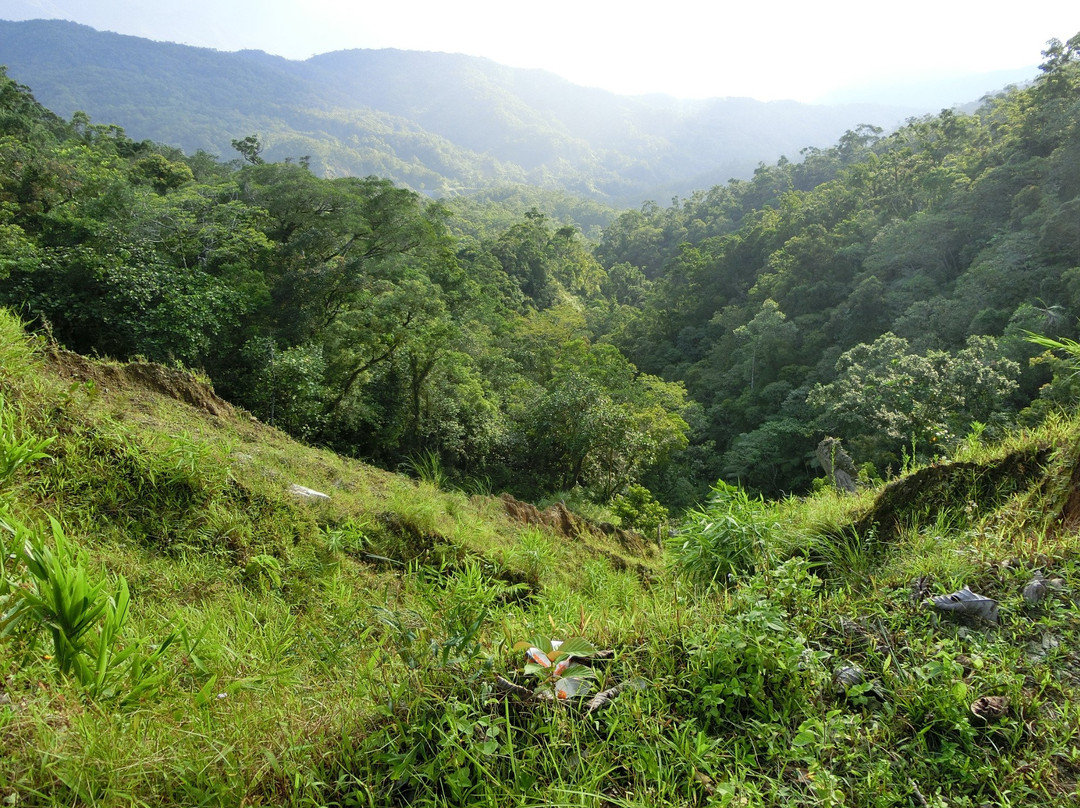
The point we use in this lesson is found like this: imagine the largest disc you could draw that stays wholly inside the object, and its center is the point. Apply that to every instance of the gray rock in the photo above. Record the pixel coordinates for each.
(838, 465)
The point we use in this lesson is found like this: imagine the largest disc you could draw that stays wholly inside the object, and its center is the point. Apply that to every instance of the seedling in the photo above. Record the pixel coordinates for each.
(552, 663)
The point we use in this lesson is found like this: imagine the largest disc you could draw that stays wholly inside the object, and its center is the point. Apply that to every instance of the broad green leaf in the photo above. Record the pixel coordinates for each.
(577, 646)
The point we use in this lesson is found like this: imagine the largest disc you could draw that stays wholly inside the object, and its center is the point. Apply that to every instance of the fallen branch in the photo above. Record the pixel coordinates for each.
(604, 697)
(918, 795)
(506, 686)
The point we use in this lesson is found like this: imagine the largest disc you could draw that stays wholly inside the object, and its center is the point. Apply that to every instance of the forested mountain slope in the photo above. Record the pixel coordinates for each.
(342, 310)
(438, 123)
(196, 609)
(881, 290)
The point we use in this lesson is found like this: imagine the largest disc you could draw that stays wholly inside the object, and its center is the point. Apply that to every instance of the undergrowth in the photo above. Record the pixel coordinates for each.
(178, 628)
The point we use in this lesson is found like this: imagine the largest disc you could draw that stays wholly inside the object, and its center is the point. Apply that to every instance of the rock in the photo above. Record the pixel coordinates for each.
(838, 465)
(967, 603)
(990, 708)
(1039, 587)
(1036, 590)
(1038, 650)
(307, 493)
(847, 676)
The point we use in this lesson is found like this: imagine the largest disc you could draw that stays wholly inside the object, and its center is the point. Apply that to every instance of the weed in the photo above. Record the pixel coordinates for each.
(532, 555)
(726, 537)
(428, 466)
(16, 452)
(552, 663)
(84, 620)
(348, 537)
(263, 567)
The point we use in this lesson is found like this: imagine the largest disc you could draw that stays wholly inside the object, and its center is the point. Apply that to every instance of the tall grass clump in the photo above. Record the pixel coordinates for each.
(428, 467)
(727, 536)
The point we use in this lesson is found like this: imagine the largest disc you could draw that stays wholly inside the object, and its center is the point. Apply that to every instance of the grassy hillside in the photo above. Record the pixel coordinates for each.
(359, 649)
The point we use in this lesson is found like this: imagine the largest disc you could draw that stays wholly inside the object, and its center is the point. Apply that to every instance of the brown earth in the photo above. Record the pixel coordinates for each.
(177, 384)
(563, 521)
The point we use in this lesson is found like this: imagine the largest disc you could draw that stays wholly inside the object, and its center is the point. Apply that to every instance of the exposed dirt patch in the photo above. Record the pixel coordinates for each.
(939, 488)
(566, 523)
(176, 384)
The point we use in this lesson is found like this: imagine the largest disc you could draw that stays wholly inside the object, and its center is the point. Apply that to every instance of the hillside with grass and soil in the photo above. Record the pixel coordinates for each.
(314, 492)
(196, 609)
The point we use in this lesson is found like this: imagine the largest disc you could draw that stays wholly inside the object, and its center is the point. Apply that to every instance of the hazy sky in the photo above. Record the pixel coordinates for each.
(805, 51)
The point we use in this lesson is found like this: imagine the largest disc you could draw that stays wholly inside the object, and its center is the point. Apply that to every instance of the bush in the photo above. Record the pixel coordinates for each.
(638, 510)
(725, 537)
(756, 664)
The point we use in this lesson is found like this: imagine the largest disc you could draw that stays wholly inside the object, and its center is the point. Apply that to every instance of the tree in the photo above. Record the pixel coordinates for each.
(601, 425)
(768, 339)
(250, 149)
(886, 399)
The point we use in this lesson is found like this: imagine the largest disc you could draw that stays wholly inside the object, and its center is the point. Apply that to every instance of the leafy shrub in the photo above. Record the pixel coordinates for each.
(638, 510)
(725, 537)
(756, 664)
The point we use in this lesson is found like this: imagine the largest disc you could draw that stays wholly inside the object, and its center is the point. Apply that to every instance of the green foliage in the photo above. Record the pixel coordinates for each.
(452, 638)
(84, 620)
(427, 466)
(950, 229)
(711, 694)
(638, 510)
(886, 398)
(882, 289)
(723, 539)
(756, 666)
(552, 663)
(15, 453)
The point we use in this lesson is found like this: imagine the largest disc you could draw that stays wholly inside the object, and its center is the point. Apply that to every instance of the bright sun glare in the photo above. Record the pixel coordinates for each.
(783, 49)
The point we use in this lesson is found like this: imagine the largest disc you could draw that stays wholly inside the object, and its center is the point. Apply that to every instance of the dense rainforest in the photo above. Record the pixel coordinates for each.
(881, 291)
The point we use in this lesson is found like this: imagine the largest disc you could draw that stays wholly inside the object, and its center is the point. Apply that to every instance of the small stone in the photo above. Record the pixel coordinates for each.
(1039, 649)
(1036, 590)
(847, 676)
(307, 493)
(990, 708)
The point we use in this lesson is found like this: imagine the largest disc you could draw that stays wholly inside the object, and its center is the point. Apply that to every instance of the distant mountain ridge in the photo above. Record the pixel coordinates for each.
(439, 123)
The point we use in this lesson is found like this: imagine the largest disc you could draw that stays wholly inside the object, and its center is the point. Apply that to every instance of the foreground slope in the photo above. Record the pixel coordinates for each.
(289, 610)
(357, 650)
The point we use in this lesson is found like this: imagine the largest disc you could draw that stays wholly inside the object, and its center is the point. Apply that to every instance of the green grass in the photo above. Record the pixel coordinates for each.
(346, 651)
